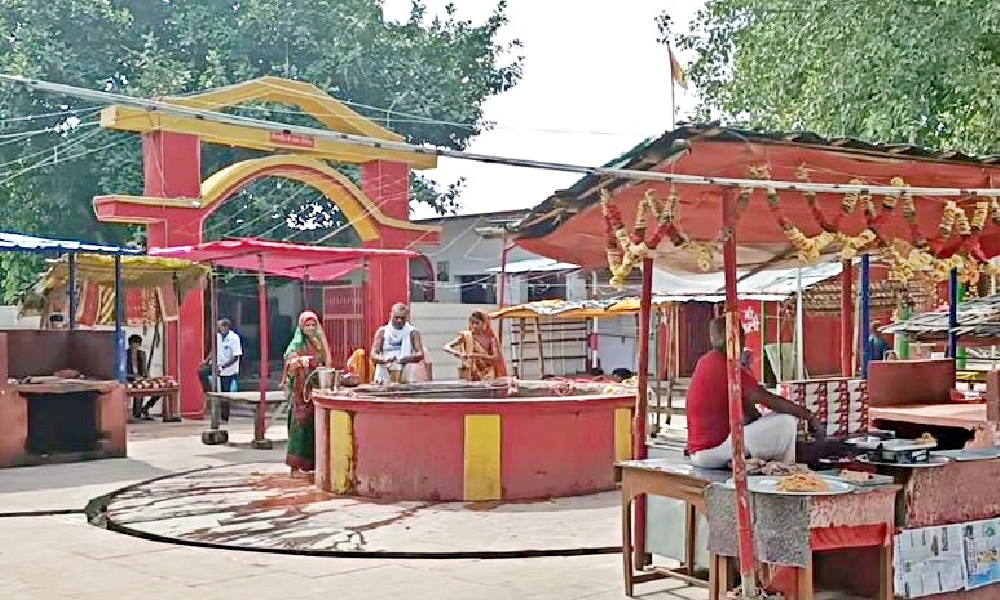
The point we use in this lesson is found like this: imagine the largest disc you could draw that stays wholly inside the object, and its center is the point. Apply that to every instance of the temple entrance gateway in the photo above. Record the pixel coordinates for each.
(176, 202)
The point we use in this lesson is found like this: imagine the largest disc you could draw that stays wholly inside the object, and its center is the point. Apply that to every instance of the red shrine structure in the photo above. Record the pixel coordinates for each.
(176, 200)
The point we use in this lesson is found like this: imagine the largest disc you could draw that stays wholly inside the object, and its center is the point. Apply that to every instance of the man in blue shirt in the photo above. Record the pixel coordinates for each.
(877, 344)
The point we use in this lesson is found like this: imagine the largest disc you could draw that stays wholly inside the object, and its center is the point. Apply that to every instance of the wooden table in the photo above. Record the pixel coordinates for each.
(170, 397)
(216, 435)
(680, 481)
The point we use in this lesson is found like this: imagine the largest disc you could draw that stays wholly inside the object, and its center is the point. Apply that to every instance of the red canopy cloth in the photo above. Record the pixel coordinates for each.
(296, 261)
(569, 226)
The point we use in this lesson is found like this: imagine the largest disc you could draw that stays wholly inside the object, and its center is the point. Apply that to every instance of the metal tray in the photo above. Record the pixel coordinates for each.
(768, 484)
(875, 481)
(933, 461)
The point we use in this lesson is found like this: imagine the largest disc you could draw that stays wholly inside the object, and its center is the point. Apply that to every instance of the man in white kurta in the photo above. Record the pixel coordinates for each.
(397, 346)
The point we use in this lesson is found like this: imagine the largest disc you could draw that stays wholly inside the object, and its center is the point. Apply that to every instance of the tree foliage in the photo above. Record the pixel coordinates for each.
(425, 78)
(924, 72)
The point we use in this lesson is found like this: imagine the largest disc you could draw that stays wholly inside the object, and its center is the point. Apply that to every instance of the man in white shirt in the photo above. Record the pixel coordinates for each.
(229, 349)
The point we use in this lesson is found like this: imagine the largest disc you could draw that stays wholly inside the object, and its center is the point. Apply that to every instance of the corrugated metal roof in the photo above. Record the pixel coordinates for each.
(978, 318)
(16, 242)
(534, 265)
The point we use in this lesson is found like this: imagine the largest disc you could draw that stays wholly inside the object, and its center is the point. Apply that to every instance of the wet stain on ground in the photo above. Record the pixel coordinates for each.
(263, 506)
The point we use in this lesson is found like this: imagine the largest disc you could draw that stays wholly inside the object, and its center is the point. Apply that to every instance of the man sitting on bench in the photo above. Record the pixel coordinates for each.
(769, 437)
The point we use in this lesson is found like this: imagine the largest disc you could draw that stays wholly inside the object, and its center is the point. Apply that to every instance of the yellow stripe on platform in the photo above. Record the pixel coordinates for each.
(482, 458)
(341, 452)
(623, 434)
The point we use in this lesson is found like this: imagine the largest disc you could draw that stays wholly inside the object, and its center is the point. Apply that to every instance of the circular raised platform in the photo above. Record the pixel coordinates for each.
(260, 507)
(472, 441)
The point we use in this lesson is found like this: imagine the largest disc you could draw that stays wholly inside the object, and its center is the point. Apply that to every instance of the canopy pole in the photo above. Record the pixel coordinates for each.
(595, 332)
(174, 400)
(305, 289)
(119, 320)
(953, 314)
(71, 290)
(657, 370)
(846, 316)
(639, 450)
(260, 441)
(865, 322)
(748, 573)
(800, 359)
(503, 289)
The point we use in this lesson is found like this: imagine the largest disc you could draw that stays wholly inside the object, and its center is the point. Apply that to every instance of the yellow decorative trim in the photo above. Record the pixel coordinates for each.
(359, 209)
(306, 96)
(482, 458)
(623, 434)
(341, 452)
(139, 120)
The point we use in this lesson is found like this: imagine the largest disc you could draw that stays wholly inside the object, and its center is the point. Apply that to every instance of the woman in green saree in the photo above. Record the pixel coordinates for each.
(307, 351)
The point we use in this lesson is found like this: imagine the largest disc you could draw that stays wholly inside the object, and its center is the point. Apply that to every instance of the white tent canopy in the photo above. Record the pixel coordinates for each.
(775, 285)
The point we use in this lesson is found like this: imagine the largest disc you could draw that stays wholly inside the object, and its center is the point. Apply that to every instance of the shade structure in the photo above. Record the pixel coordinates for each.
(569, 226)
(296, 261)
(19, 242)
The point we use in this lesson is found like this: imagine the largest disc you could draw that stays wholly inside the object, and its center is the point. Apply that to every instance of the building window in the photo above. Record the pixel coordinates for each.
(442, 271)
(477, 289)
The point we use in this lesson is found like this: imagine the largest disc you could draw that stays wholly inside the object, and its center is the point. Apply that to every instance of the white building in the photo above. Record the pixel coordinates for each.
(465, 267)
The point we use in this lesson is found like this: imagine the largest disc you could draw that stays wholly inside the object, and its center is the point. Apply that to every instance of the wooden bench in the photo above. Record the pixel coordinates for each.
(216, 435)
(170, 401)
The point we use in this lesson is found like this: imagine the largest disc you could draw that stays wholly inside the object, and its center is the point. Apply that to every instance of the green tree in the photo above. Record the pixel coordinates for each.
(425, 78)
(924, 72)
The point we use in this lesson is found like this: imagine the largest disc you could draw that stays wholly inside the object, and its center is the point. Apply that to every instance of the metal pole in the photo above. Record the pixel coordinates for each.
(953, 314)
(71, 290)
(260, 440)
(595, 360)
(800, 359)
(214, 435)
(216, 381)
(865, 322)
(657, 371)
(639, 450)
(846, 316)
(119, 320)
(733, 347)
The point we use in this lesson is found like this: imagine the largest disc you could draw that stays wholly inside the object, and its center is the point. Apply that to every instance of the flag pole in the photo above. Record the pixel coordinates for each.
(673, 91)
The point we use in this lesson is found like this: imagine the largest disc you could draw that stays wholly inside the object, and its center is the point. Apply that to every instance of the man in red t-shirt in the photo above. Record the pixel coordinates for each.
(769, 437)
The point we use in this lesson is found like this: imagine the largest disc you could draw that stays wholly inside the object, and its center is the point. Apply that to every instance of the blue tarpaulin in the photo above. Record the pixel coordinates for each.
(28, 243)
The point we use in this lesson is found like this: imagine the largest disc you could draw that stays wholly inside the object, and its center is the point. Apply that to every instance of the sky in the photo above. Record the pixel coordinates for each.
(595, 84)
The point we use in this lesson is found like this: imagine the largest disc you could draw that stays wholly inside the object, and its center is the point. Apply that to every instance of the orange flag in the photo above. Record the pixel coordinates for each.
(676, 71)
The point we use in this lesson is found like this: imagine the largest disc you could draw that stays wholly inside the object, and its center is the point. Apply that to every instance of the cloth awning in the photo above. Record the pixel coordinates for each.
(296, 261)
(137, 271)
(569, 225)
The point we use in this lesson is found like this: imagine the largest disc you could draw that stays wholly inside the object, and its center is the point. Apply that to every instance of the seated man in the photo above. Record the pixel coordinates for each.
(768, 437)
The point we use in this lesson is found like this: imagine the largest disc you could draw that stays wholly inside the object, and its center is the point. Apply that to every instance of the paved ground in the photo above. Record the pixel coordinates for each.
(60, 557)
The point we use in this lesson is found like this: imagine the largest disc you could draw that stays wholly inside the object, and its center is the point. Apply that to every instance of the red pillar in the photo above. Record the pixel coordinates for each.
(387, 281)
(172, 169)
(846, 320)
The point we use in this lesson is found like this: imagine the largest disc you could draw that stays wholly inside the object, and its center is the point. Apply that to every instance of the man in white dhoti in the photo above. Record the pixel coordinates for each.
(770, 436)
(397, 347)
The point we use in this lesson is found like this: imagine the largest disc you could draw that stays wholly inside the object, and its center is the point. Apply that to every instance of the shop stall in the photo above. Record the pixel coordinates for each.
(705, 198)
(62, 394)
(153, 288)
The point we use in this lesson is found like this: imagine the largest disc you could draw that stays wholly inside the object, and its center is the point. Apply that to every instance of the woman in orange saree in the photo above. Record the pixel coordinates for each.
(479, 350)
(307, 351)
